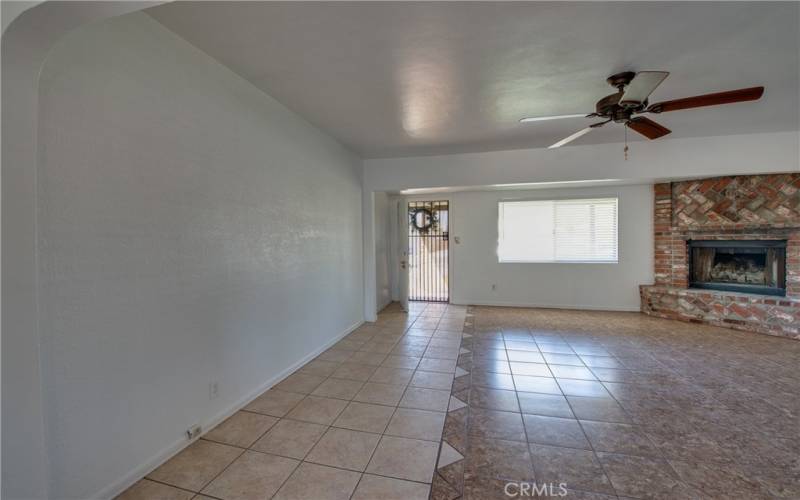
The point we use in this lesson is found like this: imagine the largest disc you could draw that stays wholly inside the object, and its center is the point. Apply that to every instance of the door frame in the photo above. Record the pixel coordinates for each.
(448, 197)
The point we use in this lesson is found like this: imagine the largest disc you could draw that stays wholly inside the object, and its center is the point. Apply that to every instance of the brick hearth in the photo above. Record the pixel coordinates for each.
(752, 207)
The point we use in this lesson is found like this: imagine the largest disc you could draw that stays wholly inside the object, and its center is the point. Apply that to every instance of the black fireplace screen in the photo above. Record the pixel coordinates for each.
(752, 266)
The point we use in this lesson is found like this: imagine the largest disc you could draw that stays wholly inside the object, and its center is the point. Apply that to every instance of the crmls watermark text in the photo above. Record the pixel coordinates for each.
(524, 489)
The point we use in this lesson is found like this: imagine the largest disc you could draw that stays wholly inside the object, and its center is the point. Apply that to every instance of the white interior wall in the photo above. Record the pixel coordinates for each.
(475, 268)
(661, 160)
(382, 250)
(30, 30)
(191, 230)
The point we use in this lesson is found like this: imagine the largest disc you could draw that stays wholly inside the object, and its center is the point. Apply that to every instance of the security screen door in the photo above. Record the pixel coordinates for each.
(428, 251)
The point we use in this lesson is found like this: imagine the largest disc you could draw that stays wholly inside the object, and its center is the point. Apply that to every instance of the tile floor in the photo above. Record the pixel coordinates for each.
(621, 405)
(447, 402)
(363, 420)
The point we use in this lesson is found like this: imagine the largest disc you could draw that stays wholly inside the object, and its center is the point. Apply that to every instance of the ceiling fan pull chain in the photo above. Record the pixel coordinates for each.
(626, 142)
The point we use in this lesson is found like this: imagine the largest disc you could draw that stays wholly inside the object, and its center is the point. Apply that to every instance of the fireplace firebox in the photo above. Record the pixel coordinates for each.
(749, 266)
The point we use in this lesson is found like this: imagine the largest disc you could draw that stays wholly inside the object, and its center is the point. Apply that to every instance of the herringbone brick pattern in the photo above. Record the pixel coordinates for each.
(737, 201)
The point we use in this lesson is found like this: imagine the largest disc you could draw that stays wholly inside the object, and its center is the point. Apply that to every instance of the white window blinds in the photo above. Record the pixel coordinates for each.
(558, 230)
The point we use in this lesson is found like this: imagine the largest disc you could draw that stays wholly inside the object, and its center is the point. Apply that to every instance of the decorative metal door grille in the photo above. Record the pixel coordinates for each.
(428, 251)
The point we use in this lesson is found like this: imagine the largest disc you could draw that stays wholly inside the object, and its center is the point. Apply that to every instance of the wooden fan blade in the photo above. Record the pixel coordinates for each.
(731, 96)
(648, 127)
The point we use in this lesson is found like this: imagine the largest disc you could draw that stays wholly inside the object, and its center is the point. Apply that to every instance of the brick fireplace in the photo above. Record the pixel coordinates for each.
(752, 210)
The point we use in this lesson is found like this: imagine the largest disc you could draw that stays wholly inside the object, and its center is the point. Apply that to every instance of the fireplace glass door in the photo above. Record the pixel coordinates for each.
(738, 266)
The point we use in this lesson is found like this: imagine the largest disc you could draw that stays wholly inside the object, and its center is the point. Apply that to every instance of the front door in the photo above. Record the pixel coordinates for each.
(427, 230)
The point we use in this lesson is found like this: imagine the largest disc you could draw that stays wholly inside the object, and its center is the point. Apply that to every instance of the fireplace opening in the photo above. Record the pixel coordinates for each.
(753, 266)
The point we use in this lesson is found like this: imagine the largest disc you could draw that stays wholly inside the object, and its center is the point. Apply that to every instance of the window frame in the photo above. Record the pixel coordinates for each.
(500, 202)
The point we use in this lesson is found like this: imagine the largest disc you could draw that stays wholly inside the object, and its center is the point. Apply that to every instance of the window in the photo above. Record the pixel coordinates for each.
(558, 231)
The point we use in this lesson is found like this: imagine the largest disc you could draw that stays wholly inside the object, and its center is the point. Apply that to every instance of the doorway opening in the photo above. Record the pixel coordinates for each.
(428, 251)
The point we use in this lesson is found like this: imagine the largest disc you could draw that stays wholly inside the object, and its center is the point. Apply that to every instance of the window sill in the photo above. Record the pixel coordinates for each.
(558, 261)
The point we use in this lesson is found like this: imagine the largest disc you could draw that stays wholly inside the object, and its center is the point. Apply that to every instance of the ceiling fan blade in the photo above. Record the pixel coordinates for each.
(642, 85)
(567, 140)
(731, 96)
(648, 127)
(545, 118)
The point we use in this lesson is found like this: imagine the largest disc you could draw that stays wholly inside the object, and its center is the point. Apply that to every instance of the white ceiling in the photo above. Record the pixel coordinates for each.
(405, 79)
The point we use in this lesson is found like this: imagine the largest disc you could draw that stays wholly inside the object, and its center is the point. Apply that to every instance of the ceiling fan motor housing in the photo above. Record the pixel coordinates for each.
(609, 107)
(612, 106)
(620, 80)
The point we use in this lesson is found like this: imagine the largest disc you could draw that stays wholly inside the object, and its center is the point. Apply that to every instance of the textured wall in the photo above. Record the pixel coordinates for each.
(474, 265)
(383, 261)
(191, 229)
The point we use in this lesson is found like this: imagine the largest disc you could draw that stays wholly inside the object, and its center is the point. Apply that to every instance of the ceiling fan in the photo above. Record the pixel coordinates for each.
(630, 101)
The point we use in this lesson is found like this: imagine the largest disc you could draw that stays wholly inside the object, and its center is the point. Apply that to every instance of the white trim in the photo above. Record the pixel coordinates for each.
(125, 482)
(578, 307)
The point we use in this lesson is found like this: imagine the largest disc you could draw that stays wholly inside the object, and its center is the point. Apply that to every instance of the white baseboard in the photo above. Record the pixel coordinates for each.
(501, 303)
(175, 447)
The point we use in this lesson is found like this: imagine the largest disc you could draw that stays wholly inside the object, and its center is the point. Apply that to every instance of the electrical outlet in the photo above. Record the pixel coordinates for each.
(193, 431)
(213, 390)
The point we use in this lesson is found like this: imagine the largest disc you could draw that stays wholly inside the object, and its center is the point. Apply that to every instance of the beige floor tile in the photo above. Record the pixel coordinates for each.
(416, 424)
(409, 362)
(252, 476)
(275, 402)
(196, 465)
(382, 394)
(441, 352)
(354, 371)
(409, 350)
(425, 399)
(365, 417)
(393, 376)
(300, 383)
(377, 347)
(335, 355)
(241, 429)
(338, 388)
(432, 380)
(318, 482)
(420, 332)
(404, 458)
(290, 438)
(385, 488)
(317, 410)
(349, 345)
(367, 358)
(319, 367)
(344, 448)
(437, 365)
(150, 490)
